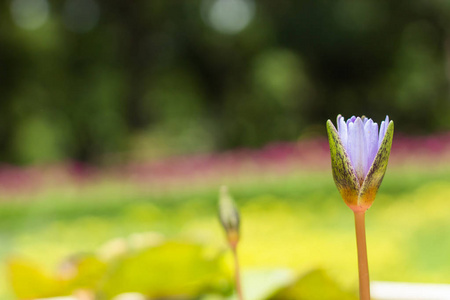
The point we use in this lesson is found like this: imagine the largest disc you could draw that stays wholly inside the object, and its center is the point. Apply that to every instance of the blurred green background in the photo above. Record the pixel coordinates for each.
(119, 120)
(98, 80)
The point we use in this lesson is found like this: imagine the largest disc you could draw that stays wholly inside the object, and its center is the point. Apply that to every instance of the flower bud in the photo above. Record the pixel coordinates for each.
(229, 216)
(359, 158)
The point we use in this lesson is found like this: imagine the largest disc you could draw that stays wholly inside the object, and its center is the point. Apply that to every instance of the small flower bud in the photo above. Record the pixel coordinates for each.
(229, 216)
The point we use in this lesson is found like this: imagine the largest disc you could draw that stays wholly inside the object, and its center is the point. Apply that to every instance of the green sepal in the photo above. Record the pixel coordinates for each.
(343, 172)
(376, 172)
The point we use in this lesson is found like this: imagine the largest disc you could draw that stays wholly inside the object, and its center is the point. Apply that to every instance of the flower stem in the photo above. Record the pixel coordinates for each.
(237, 275)
(363, 267)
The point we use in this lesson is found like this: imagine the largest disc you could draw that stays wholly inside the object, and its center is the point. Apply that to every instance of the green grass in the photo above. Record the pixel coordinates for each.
(297, 221)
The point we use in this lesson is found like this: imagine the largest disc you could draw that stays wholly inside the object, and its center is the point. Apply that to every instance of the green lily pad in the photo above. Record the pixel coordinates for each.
(315, 285)
(261, 284)
(88, 273)
(171, 269)
(29, 281)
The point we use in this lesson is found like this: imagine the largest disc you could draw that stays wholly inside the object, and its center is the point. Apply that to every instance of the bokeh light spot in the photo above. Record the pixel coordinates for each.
(229, 16)
(81, 15)
(30, 14)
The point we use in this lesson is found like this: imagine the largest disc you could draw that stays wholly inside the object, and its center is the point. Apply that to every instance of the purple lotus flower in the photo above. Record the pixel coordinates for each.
(359, 156)
(361, 140)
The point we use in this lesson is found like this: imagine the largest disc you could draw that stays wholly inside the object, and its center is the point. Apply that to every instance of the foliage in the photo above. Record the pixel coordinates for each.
(29, 281)
(315, 285)
(168, 270)
(158, 78)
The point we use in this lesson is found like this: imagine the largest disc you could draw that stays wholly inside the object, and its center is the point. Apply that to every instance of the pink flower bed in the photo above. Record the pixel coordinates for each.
(276, 159)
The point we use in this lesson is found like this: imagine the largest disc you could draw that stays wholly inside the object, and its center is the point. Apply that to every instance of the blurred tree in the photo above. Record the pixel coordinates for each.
(92, 79)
